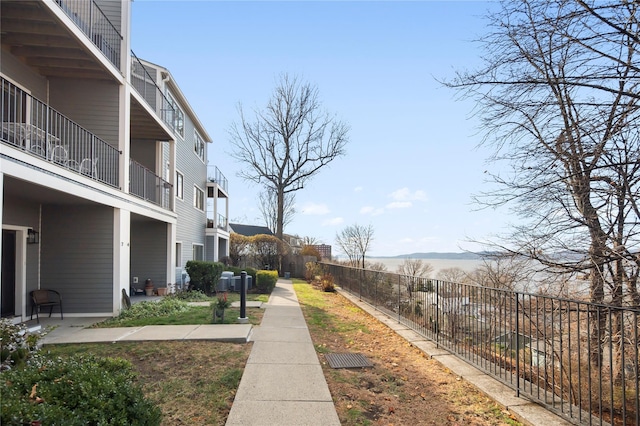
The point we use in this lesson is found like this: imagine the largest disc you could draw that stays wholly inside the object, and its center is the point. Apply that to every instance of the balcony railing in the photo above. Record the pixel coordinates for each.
(145, 184)
(33, 126)
(220, 223)
(146, 86)
(88, 16)
(580, 360)
(215, 175)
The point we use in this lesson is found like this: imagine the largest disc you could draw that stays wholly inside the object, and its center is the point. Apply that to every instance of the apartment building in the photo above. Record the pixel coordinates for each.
(103, 167)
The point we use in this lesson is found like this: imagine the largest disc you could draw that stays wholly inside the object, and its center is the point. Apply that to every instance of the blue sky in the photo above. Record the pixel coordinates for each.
(412, 162)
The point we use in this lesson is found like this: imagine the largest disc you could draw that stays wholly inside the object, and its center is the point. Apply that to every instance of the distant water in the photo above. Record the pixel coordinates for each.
(467, 265)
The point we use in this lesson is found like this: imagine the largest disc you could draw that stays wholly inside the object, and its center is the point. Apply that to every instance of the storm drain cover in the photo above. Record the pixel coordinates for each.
(347, 361)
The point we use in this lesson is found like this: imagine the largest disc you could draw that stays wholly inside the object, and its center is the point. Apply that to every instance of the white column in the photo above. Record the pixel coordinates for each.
(121, 256)
(171, 253)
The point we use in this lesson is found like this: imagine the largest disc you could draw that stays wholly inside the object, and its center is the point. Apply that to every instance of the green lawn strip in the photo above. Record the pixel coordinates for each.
(314, 303)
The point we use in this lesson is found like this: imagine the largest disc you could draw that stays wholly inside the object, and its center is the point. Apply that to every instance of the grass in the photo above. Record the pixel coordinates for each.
(174, 311)
(194, 383)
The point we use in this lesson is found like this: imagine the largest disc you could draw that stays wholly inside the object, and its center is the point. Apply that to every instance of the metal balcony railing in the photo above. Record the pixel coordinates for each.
(33, 126)
(145, 184)
(88, 16)
(220, 222)
(215, 175)
(580, 360)
(146, 86)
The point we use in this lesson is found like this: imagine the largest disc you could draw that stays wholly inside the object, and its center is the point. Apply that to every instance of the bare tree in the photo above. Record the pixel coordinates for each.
(559, 98)
(269, 208)
(288, 142)
(454, 275)
(354, 240)
(414, 268)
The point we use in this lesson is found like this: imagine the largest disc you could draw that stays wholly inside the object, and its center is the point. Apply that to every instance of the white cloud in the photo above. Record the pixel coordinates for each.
(315, 209)
(404, 194)
(333, 222)
(372, 211)
(399, 205)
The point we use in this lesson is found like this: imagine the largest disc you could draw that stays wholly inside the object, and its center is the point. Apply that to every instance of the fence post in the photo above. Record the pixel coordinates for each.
(437, 325)
(518, 345)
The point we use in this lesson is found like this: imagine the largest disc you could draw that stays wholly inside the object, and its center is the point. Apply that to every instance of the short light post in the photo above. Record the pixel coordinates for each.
(243, 298)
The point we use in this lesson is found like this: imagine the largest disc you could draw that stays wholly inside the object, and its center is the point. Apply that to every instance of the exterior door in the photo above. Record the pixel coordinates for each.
(8, 294)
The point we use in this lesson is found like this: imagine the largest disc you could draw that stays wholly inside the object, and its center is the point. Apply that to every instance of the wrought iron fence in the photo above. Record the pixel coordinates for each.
(35, 127)
(145, 184)
(88, 16)
(580, 360)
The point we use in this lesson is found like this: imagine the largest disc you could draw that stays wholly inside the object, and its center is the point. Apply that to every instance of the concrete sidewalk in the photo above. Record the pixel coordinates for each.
(283, 382)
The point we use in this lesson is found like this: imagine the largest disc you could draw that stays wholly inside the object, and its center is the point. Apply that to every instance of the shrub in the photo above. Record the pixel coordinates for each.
(204, 275)
(266, 281)
(164, 307)
(189, 296)
(16, 344)
(79, 390)
(326, 283)
(311, 271)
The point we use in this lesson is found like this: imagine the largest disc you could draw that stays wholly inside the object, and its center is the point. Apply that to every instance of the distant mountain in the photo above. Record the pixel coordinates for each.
(435, 255)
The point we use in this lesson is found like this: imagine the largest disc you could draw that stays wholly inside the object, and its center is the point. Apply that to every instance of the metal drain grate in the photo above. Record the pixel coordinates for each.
(347, 361)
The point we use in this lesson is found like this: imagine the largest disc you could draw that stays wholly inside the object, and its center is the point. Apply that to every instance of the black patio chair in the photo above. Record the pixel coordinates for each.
(45, 298)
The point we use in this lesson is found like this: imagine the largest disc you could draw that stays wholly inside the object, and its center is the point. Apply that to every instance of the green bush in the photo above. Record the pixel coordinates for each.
(204, 275)
(79, 390)
(189, 296)
(266, 281)
(166, 306)
(16, 344)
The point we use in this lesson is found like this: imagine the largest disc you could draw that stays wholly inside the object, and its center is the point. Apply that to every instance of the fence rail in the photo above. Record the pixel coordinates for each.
(145, 184)
(88, 16)
(35, 127)
(147, 87)
(580, 360)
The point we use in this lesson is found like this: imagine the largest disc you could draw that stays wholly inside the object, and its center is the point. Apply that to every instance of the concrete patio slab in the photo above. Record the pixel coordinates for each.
(234, 333)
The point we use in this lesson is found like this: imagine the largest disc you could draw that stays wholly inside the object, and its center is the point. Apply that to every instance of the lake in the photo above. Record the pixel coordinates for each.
(467, 265)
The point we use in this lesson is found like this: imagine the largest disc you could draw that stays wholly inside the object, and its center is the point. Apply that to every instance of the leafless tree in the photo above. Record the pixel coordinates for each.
(354, 240)
(414, 268)
(558, 97)
(288, 142)
(268, 205)
(454, 275)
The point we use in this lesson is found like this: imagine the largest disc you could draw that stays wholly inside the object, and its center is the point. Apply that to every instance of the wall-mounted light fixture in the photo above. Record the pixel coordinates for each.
(33, 237)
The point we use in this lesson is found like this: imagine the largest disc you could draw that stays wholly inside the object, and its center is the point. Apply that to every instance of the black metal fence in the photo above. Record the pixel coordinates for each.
(580, 360)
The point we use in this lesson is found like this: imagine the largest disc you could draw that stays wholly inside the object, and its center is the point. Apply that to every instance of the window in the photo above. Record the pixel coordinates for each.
(198, 146)
(198, 198)
(198, 252)
(178, 116)
(179, 186)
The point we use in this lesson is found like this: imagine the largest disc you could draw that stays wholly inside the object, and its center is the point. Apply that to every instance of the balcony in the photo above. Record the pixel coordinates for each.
(143, 82)
(88, 16)
(220, 223)
(214, 175)
(32, 32)
(145, 184)
(34, 127)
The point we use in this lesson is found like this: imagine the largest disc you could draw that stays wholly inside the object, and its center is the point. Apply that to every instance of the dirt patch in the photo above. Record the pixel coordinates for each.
(404, 387)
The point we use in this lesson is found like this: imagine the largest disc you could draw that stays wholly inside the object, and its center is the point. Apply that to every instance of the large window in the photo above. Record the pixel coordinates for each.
(198, 145)
(198, 252)
(178, 116)
(198, 198)
(179, 185)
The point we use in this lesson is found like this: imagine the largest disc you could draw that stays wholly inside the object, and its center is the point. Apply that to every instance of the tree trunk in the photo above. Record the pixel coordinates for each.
(280, 215)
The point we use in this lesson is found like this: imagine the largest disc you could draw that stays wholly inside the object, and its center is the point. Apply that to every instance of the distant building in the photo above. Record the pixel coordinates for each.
(324, 250)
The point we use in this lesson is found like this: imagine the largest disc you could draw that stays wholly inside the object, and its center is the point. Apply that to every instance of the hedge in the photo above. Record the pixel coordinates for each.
(266, 281)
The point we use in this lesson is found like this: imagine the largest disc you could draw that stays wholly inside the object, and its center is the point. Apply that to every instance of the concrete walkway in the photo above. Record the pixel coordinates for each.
(283, 383)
